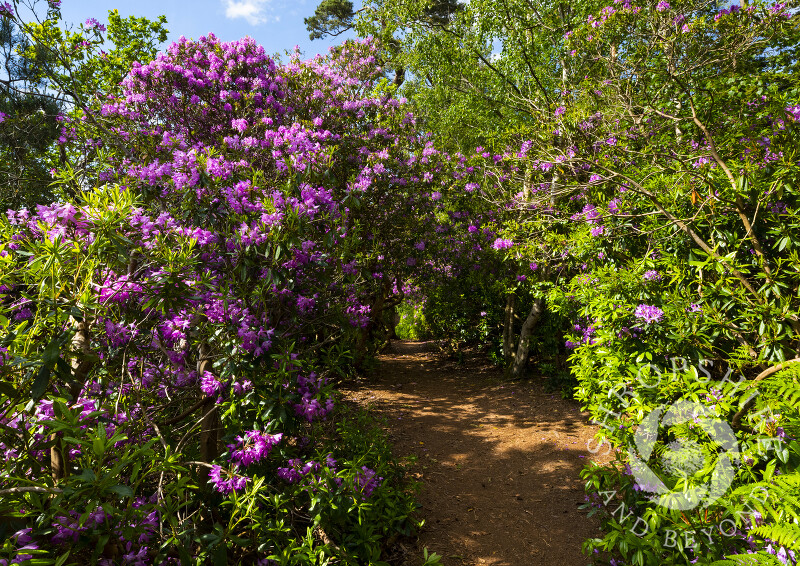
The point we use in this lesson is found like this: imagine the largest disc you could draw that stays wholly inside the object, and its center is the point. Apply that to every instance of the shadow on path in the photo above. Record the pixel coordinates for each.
(498, 461)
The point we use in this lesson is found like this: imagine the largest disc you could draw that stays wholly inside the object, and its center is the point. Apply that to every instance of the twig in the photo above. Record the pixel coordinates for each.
(30, 489)
(187, 412)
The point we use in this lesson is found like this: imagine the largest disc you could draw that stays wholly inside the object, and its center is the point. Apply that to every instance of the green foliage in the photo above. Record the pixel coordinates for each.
(412, 325)
(331, 17)
(28, 127)
(82, 64)
(431, 559)
(53, 73)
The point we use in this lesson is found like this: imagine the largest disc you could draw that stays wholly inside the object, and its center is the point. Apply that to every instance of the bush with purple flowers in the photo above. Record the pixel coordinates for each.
(191, 303)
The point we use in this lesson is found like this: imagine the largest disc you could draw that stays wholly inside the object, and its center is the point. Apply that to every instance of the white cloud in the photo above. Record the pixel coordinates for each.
(254, 11)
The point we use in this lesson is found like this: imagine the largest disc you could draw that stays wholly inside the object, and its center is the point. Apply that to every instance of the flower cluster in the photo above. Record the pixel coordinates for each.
(586, 332)
(366, 481)
(227, 481)
(649, 314)
(207, 254)
(253, 447)
(502, 244)
(92, 23)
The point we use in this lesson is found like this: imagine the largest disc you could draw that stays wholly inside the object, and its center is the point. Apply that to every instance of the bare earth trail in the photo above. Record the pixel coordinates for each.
(498, 461)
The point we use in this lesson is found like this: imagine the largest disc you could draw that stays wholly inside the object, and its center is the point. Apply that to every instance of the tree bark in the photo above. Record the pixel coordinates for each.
(521, 357)
(391, 327)
(59, 459)
(527, 184)
(81, 367)
(375, 318)
(59, 455)
(508, 327)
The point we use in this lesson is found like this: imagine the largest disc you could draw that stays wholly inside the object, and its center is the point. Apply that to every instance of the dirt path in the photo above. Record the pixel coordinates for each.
(498, 461)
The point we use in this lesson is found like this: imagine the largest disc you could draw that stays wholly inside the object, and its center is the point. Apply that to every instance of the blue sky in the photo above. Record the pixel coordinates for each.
(275, 24)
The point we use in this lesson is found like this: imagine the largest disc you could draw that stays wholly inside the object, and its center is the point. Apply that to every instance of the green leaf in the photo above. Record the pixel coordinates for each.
(100, 546)
(7, 390)
(87, 475)
(122, 490)
(769, 471)
(63, 369)
(51, 352)
(40, 383)
(98, 446)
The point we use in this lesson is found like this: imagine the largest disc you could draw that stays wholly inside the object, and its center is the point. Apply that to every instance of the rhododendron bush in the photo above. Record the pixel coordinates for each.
(647, 165)
(169, 335)
(673, 155)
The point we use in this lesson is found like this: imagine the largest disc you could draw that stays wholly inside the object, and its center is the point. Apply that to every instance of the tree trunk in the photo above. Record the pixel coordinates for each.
(59, 459)
(508, 327)
(521, 357)
(391, 327)
(81, 367)
(375, 317)
(59, 455)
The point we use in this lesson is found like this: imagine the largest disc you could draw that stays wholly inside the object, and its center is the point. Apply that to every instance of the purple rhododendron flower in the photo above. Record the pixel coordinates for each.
(243, 387)
(649, 313)
(254, 447)
(232, 482)
(590, 214)
(651, 275)
(297, 470)
(501, 244)
(210, 385)
(92, 23)
(305, 304)
(366, 482)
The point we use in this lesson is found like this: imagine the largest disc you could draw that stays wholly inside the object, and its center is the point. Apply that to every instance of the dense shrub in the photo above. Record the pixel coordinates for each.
(169, 335)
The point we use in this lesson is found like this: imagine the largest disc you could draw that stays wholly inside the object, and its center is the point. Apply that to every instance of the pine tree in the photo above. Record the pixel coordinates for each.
(29, 125)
